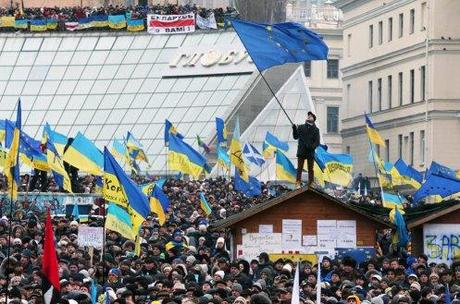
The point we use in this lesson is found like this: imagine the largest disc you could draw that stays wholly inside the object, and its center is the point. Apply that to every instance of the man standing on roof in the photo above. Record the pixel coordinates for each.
(308, 139)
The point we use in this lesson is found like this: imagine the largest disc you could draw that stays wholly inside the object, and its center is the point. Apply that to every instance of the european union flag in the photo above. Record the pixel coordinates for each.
(277, 44)
(251, 188)
(360, 255)
(437, 185)
(441, 170)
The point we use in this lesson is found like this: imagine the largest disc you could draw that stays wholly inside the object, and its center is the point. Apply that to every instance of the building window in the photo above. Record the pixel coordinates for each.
(422, 82)
(349, 45)
(387, 150)
(411, 148)
(379, 93)
(390, 29)
(422, 146)
(400, 88)
(333, 68)
(371, 36)
(400, 146)
(377, 147)
(332, 119)
(348, 92)
(369, 94)
(412, 21)
(307, 68)
(380, 32)
(423, 16)
(401, 25)
(347, 149)
(390, 90)
(412, 84)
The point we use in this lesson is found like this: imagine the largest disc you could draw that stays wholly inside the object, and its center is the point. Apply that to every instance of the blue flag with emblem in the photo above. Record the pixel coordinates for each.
(437, 185)
(360, 254)
(250, 188)
(277, 44)
(254, 156)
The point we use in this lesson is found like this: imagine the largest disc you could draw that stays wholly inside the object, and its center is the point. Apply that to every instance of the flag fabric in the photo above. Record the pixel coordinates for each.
(441, 170)
(182, 157)
(59, 140)
(221, 131)
(202, 144)
(171, 129)
(250, 188)
(75, 211)
(359, 254)
(7, 21)
(117, 21)
(147, 188)
(252, 155)
(285, 170)
(21, 24)
(93, 292)
(119, 150)
(71, 26)
(271, 144)
(119, 220)
(402, 174)
(204, 205)
(337, 168)
(11, 169)
(38, 25)
(135, 25)
(2, 130)
(372, 133)
(206, 23)
(51, 24)
(159, 204)
(50, 268)
(85, 23)
(277, 44)
(119, 188)
(236, 153)
(223, 159)
(135, 148)
(56, 165)
(295, 299)
(402, 235)
(391, 200)
(84, 155)
(100, 21)
(447, 295)
(437, 185)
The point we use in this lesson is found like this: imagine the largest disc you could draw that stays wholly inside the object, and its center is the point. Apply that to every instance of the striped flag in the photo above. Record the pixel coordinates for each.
(254, 156)
(71, 26)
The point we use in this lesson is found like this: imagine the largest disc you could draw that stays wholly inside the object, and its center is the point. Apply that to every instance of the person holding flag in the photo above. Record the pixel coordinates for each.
(308, 138)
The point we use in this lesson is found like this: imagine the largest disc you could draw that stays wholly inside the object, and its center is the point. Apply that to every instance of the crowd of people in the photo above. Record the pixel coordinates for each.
(74, 14)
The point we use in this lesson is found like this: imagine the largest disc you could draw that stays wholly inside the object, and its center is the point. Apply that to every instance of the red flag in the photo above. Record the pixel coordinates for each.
(50, 280)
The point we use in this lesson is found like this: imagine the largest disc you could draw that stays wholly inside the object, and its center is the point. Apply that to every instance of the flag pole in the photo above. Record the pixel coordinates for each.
(266, 82)
(376, 170)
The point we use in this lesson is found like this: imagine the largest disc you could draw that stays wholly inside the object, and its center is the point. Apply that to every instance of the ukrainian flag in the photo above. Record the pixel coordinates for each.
(120, 189)
(51, 24)
(204, 205)
(11, 169)
(272, 144)
(285, 170)
(119, 150)
(221, 130)
(119, 220)
(85, 23)
(391, 200)
(3, 157)
(100, 21)
(7, 21)
(184, 158)
(135, 25)
(147, 188)
(401, 237)
(117, 21)
(171, 129)
(2, 130)
(159, 204)
(38, 25)
(223, 159)
(406, 175)
(372, 133)
(236, 153)
(22, 24)
(135, 148)
(56, 165)
(84, 155)
(59, 140)
(336, 168)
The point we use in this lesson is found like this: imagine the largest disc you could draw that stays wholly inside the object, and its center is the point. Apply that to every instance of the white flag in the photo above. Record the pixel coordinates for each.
(296, 287)
(206, 23)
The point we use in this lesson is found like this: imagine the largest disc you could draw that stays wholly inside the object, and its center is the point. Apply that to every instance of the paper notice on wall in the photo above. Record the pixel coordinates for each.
(291, 237)
(264, 229)
(309, 240)
(255, 243)
(346, 238)
(327, 233)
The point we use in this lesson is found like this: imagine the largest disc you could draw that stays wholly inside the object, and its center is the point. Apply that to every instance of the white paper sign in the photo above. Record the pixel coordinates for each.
(291, 235)
(255, 243)
(309, 240)
(265, 229)
(90, 236)
(346, 238)
(327, 234)
(441, 242)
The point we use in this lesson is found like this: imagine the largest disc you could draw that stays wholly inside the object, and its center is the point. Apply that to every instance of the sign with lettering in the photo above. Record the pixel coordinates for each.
(171, 24)
(90, 236)
(441, 242)
(209, 60)
(255, 243)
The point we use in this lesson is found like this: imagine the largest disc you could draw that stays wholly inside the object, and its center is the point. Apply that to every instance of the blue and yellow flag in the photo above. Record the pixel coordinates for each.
(336, 168)
(2, 130)
(392, 201)
(221, 130)
(85, 23)
(7, 21)
(11, 169)
(117, 21)
(271, 144)
(135, 25)
(401, 237)
(251, 188)
(159, 204)
(223, 160)
(100, 21)
(182, 157)
(119, 220)
(120, 189)
(21, 24)
(236, 153)
(402, 174)
(38, 25)
(31, 153)
(372, 133)
(147, 188)
(170, 129)
(84, 155)
(59, 140)
(119, 150)
(437, 185)
(51, 24)
(56, 165)
(204, 205)
(135, 148)
(285, 170)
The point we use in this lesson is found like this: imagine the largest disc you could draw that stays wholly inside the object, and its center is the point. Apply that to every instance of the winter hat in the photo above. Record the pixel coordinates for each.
(190, 259)
(377, 300)
(416, 285)
(220, 273)
(288, 268)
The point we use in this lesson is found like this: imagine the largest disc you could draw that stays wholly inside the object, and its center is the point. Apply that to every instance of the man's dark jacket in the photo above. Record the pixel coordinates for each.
(308, 136)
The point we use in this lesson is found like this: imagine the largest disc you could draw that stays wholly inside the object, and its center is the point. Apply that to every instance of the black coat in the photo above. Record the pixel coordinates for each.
(308, 136)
